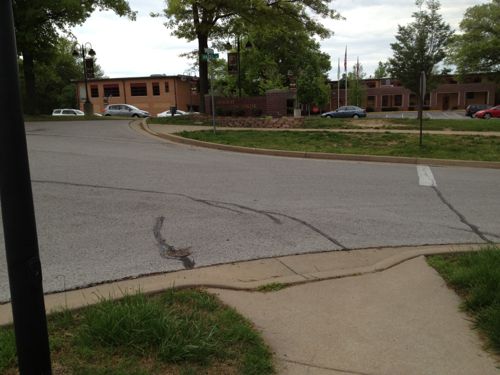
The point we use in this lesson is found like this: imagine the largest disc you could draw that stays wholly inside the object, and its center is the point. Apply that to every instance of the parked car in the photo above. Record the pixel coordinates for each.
(124, 110)
(346, 111)
(471, 109)
(67, 112)
(488, 113)
(169, 113)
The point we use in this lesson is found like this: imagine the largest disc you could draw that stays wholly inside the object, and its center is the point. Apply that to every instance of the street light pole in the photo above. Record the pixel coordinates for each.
(88, 107)
(18, 214)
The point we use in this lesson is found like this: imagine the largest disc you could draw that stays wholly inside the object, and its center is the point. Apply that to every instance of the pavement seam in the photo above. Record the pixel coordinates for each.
(322, 156)
(323, 367)
(462, 218)
(290, 268)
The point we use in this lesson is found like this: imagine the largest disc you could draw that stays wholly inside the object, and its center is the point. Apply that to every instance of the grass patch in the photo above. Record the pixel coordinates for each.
(332, 123)
(476, 277)
(177, 332)
(391, 144)
(272, 287)
(477, 125)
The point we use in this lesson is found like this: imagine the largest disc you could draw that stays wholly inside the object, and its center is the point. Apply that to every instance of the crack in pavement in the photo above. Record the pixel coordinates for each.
(290, 268)
(218, 204)
(349, 372)
(169, 251)
(474, 228)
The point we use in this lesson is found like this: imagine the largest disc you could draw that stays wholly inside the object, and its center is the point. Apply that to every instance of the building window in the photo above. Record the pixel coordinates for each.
(385, 101)
(94, 91)
(398, 100)
(111, 90)
(138, 89)
(469, 95)
(156, 88)
(166, 87)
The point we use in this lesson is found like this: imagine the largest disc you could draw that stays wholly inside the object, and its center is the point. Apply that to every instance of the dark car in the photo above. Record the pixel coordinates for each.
(488, 113)
(471, 109)
(346, 111)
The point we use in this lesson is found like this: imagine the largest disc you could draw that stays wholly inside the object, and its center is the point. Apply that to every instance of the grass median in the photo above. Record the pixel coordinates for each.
(389, 144)
(476, 278)
(183, 332)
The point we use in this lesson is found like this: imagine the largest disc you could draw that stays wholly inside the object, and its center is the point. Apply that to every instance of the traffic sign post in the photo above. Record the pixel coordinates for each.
(423, 88)
(18, 214)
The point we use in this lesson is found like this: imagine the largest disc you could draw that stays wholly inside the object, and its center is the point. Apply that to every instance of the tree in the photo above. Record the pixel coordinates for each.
(218, 19)
(312, 88)
(477, 49)
(56, 76)
(420, 46)
(356, 91)
(382, 70)
(38, 25)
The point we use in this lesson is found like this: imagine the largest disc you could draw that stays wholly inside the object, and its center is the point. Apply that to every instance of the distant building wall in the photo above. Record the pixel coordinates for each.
(389, 95)
(152, 94)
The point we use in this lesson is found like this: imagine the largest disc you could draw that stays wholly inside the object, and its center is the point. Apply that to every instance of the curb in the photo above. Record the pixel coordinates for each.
(275, 270)
(321, 155)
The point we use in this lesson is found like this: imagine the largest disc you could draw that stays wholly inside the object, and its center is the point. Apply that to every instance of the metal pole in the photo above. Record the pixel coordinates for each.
(212, 94)
(239, 69)
(87, 100)
(21, 243)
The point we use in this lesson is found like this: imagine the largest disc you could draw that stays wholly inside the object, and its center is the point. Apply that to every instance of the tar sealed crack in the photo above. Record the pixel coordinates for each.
(462, 218)
(169, 251)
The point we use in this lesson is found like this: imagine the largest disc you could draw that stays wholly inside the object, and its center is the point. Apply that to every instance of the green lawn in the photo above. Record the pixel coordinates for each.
(184, 332)
(456, 125)
(476, 277)
(435, 146)
(409, 124)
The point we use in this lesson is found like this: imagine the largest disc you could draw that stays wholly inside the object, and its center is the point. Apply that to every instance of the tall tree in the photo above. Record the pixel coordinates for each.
(477, 49)
(356, 90)
(382, 70)
(38, 25)
(419, 46)
(202, 20)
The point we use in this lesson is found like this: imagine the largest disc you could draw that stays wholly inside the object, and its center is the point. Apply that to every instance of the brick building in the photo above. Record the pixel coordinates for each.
(155, 94)
(390, 95)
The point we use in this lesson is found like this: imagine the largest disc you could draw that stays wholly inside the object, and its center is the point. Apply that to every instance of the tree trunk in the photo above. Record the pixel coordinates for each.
(203, 70)
(30, 102)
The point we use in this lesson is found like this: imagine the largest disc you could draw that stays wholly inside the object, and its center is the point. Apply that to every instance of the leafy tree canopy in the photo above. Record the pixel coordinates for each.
(477, 49)
(382, 70)
(38, 25)
(420, 45)
(219, 20)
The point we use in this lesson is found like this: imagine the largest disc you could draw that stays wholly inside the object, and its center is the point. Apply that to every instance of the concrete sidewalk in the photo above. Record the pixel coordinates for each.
(368, 311)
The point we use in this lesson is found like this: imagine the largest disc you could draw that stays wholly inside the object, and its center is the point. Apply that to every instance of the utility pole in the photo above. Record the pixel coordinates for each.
(18, 215)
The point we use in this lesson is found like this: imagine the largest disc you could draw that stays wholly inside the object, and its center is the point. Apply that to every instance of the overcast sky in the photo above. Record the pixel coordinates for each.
(144, 47)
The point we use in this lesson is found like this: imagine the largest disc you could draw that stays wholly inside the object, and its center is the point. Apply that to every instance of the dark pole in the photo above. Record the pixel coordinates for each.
(87, 100)
(239, 68)
(21, 243)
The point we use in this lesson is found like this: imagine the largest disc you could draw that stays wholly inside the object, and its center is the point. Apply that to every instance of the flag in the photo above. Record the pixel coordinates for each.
(345, 60)
(338, 71)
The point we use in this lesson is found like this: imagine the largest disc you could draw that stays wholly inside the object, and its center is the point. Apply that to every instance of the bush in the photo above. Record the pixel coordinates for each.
(256, 112)
(239, 112)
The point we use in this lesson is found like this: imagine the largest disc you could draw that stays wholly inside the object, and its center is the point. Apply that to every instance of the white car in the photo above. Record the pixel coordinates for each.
(168, 113)
(67, 112)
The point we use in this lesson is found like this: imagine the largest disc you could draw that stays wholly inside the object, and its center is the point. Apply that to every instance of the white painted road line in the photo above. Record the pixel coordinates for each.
(425, 176)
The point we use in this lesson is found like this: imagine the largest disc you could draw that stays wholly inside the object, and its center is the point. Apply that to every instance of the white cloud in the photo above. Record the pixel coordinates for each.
(125, 48)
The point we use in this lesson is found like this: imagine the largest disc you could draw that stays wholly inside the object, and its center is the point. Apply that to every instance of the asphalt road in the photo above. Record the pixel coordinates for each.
(113, 203)
(433, 115)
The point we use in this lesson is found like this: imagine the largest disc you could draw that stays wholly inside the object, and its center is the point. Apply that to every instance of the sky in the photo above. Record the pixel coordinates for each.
(145, 46)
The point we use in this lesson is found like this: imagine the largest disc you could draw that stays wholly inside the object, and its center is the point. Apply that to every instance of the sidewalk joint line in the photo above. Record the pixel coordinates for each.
(323, 367)
(290, 268)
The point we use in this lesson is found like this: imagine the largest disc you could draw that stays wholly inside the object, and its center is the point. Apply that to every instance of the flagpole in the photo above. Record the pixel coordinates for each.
(338, 85)
(345, 70)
